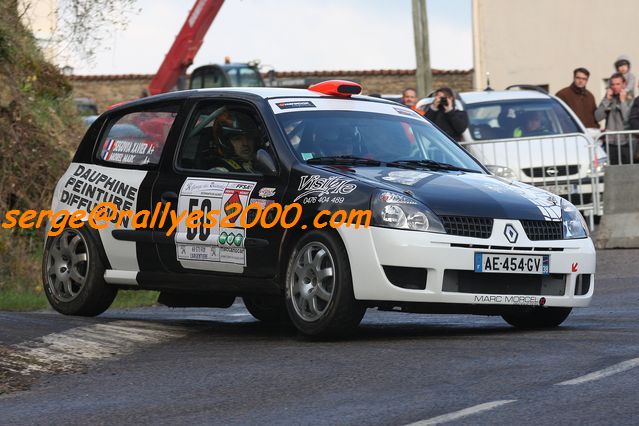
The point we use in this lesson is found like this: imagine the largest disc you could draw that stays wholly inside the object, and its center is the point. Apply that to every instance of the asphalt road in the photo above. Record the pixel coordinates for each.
(160, 365)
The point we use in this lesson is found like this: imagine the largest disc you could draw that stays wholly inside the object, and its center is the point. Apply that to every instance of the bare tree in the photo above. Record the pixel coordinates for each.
(83, 25)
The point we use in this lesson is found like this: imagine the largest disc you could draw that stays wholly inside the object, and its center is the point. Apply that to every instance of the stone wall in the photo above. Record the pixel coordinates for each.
(107, 90)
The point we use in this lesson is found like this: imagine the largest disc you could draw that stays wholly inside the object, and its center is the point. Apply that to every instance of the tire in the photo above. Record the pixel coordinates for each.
(321, 304)
(73, 274)
(538, 318)
(268, 309)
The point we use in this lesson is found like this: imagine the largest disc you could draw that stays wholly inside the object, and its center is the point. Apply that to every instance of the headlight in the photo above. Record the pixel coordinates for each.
(504, 172)
(574, 224)
(393, 210)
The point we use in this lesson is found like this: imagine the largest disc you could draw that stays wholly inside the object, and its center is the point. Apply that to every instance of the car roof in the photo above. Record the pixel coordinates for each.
(262, 92)
(501, 95)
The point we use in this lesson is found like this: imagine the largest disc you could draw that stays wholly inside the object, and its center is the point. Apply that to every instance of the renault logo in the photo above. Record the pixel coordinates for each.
(511, 234)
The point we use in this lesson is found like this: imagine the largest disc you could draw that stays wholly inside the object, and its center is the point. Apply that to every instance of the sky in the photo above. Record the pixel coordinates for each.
(292, 35)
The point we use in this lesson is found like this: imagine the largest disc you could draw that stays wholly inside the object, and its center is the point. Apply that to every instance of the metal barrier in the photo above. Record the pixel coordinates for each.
(569, 165)
(622, 146)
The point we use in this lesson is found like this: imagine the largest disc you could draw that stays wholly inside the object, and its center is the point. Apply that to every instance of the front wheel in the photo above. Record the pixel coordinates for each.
(73, 274)
(319, 288)
(538, 318)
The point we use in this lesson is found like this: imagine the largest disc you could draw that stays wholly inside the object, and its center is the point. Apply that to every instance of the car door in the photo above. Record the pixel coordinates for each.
(207, 174)
(126, 161)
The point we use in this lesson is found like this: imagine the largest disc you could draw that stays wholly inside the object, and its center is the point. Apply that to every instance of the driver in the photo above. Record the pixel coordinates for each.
(236, 140)
(533, 125)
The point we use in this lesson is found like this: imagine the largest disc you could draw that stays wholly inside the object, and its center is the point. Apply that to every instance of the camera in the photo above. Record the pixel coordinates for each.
(443, 102)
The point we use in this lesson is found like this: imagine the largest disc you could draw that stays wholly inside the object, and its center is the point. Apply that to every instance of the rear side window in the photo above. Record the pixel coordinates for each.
(137, 138)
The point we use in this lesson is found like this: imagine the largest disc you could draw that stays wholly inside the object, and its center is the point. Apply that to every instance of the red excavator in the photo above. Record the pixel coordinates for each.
(172, 72)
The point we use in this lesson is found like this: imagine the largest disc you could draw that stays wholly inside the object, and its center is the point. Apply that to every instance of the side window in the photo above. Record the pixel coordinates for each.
(137, 138)
(221, 138)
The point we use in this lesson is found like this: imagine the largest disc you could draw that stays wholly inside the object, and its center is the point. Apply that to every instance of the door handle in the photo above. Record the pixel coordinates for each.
(169, 197)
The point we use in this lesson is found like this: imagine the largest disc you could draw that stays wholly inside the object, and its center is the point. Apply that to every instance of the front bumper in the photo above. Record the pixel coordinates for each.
(370, 249)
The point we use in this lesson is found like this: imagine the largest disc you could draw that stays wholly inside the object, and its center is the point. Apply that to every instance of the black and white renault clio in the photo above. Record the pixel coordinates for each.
(445, 235)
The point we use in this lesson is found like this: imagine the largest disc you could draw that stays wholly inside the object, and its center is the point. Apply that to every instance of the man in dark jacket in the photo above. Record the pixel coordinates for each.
(443, 114)
(633, 121)
(615, 108)
(579, 99)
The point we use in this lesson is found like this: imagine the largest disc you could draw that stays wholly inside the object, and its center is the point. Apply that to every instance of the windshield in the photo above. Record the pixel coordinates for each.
(243, 77)
(371, 136)
(519, 118)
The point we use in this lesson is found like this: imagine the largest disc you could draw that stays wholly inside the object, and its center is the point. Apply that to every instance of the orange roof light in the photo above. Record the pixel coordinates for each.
(337, 88)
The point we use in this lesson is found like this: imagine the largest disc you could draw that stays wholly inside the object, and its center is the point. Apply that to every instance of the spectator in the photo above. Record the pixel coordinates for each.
(615, 109)
(622, 66)
(443, 114)
(633, 122)
(409, 98)
(579, 99)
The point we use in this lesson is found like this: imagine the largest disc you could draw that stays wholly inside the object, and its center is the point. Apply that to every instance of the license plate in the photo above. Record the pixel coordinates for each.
(512, 263)
(560, 189)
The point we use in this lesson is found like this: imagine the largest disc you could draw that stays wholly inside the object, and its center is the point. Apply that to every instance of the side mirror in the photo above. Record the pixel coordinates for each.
(264, 163)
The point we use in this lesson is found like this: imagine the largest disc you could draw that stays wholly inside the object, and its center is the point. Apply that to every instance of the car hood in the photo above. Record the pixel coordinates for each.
(465, 194)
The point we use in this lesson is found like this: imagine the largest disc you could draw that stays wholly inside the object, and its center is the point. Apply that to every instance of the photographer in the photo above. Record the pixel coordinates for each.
(615, 109)
(443, 114)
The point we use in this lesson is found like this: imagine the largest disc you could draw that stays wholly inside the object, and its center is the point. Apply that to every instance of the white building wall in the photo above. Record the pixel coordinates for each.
(542, 41)
(41, 17)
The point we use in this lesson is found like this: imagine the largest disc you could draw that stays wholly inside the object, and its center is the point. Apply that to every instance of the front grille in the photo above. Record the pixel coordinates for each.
(538, 230)
(551, 171)
(461, 281)
(476, 227)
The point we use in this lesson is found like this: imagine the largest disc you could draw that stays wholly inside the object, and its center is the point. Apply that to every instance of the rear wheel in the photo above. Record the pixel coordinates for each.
(319, 289)
(73, 274)
(268, 309)
(538, 318)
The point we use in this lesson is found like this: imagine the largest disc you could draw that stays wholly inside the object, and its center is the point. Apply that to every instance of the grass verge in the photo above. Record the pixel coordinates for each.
(12, 300)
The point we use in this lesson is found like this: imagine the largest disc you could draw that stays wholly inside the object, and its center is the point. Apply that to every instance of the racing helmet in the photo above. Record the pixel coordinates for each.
(234, 125)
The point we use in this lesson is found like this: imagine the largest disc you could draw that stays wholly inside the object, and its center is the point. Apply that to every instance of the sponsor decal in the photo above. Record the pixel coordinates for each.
(509, 300)
(511, 234)
(228, 206)
(127, 151)
(230, 239)
(320, 186)
(212, 248)
(295, 104)
(261, 202)
(86, 187)
(575, 267)
(406, 177)
(548, 204)
(266, 192)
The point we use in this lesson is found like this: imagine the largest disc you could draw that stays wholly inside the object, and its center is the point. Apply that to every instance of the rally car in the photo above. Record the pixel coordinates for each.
(445, 235)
